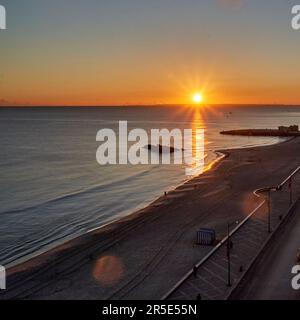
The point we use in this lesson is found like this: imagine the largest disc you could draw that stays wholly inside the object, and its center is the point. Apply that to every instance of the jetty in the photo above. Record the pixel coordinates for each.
(282, 131)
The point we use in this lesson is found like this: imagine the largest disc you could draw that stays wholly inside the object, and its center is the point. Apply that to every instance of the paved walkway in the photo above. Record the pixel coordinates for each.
(211, 282)
(270, 278)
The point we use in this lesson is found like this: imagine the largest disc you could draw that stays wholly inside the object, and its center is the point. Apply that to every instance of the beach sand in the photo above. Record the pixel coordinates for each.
(143, 255)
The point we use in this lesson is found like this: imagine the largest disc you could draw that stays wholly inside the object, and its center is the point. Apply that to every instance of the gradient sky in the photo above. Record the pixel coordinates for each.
(100, 52)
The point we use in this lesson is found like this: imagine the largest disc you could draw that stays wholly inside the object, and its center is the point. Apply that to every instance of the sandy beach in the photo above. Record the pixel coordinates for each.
(143, 255)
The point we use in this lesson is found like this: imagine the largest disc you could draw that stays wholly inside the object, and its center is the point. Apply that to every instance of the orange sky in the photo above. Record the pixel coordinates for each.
(141, 53)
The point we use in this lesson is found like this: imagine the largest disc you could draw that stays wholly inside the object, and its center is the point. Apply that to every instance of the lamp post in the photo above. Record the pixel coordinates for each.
(291, 191)
(269, 211)
(273, 189)
(228, 256)
(228, 253)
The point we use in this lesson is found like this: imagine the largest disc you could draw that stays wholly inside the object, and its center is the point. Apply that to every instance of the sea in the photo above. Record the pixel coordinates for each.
(52, 189)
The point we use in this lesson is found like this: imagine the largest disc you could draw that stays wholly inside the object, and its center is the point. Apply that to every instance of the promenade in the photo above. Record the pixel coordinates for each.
(270, 235)
(271, 277)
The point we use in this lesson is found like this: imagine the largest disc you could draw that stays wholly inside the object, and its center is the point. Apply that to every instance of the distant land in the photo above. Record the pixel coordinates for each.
(282, 131)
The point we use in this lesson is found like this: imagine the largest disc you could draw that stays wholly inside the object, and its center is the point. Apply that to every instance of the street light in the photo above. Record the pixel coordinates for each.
(273, 189)
(291, 190)
(228, 252)
(269, 211)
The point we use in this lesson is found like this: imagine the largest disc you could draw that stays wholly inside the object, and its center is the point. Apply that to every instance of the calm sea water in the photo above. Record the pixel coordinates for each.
(52, 189)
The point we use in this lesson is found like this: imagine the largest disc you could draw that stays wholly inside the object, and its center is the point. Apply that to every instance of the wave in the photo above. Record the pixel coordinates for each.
(93, 189)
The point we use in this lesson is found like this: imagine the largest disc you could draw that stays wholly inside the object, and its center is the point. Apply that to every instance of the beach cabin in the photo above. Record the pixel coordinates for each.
(206, 236)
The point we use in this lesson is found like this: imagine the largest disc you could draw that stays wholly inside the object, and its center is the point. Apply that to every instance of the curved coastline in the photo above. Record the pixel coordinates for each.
(221, 155)
(170, 222)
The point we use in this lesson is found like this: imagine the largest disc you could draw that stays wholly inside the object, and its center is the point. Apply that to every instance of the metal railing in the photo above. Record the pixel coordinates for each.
(289, 178)
(275, 189)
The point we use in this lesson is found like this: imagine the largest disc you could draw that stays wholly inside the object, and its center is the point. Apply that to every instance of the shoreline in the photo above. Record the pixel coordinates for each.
(136, 210)
(221, 154)
(168, 223)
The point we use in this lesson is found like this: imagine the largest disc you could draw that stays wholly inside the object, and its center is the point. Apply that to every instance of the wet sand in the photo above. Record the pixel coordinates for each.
(143, 255)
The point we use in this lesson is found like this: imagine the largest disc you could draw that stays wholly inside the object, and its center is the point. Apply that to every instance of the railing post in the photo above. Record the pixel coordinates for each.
(269, 212)
(228, 257)
(291, 190)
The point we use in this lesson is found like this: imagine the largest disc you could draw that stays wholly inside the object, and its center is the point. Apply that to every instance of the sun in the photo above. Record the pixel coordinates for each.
(197, 98)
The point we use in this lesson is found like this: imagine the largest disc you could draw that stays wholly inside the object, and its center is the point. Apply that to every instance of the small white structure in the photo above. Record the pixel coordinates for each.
(2, 18)
(2, 278)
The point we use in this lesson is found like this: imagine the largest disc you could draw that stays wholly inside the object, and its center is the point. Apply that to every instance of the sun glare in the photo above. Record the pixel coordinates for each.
(197, 98)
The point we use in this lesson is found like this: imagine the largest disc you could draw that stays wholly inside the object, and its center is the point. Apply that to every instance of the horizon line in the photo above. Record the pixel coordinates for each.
(153, 105)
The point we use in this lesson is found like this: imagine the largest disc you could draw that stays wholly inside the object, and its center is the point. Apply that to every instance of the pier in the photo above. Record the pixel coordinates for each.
(282, 131)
